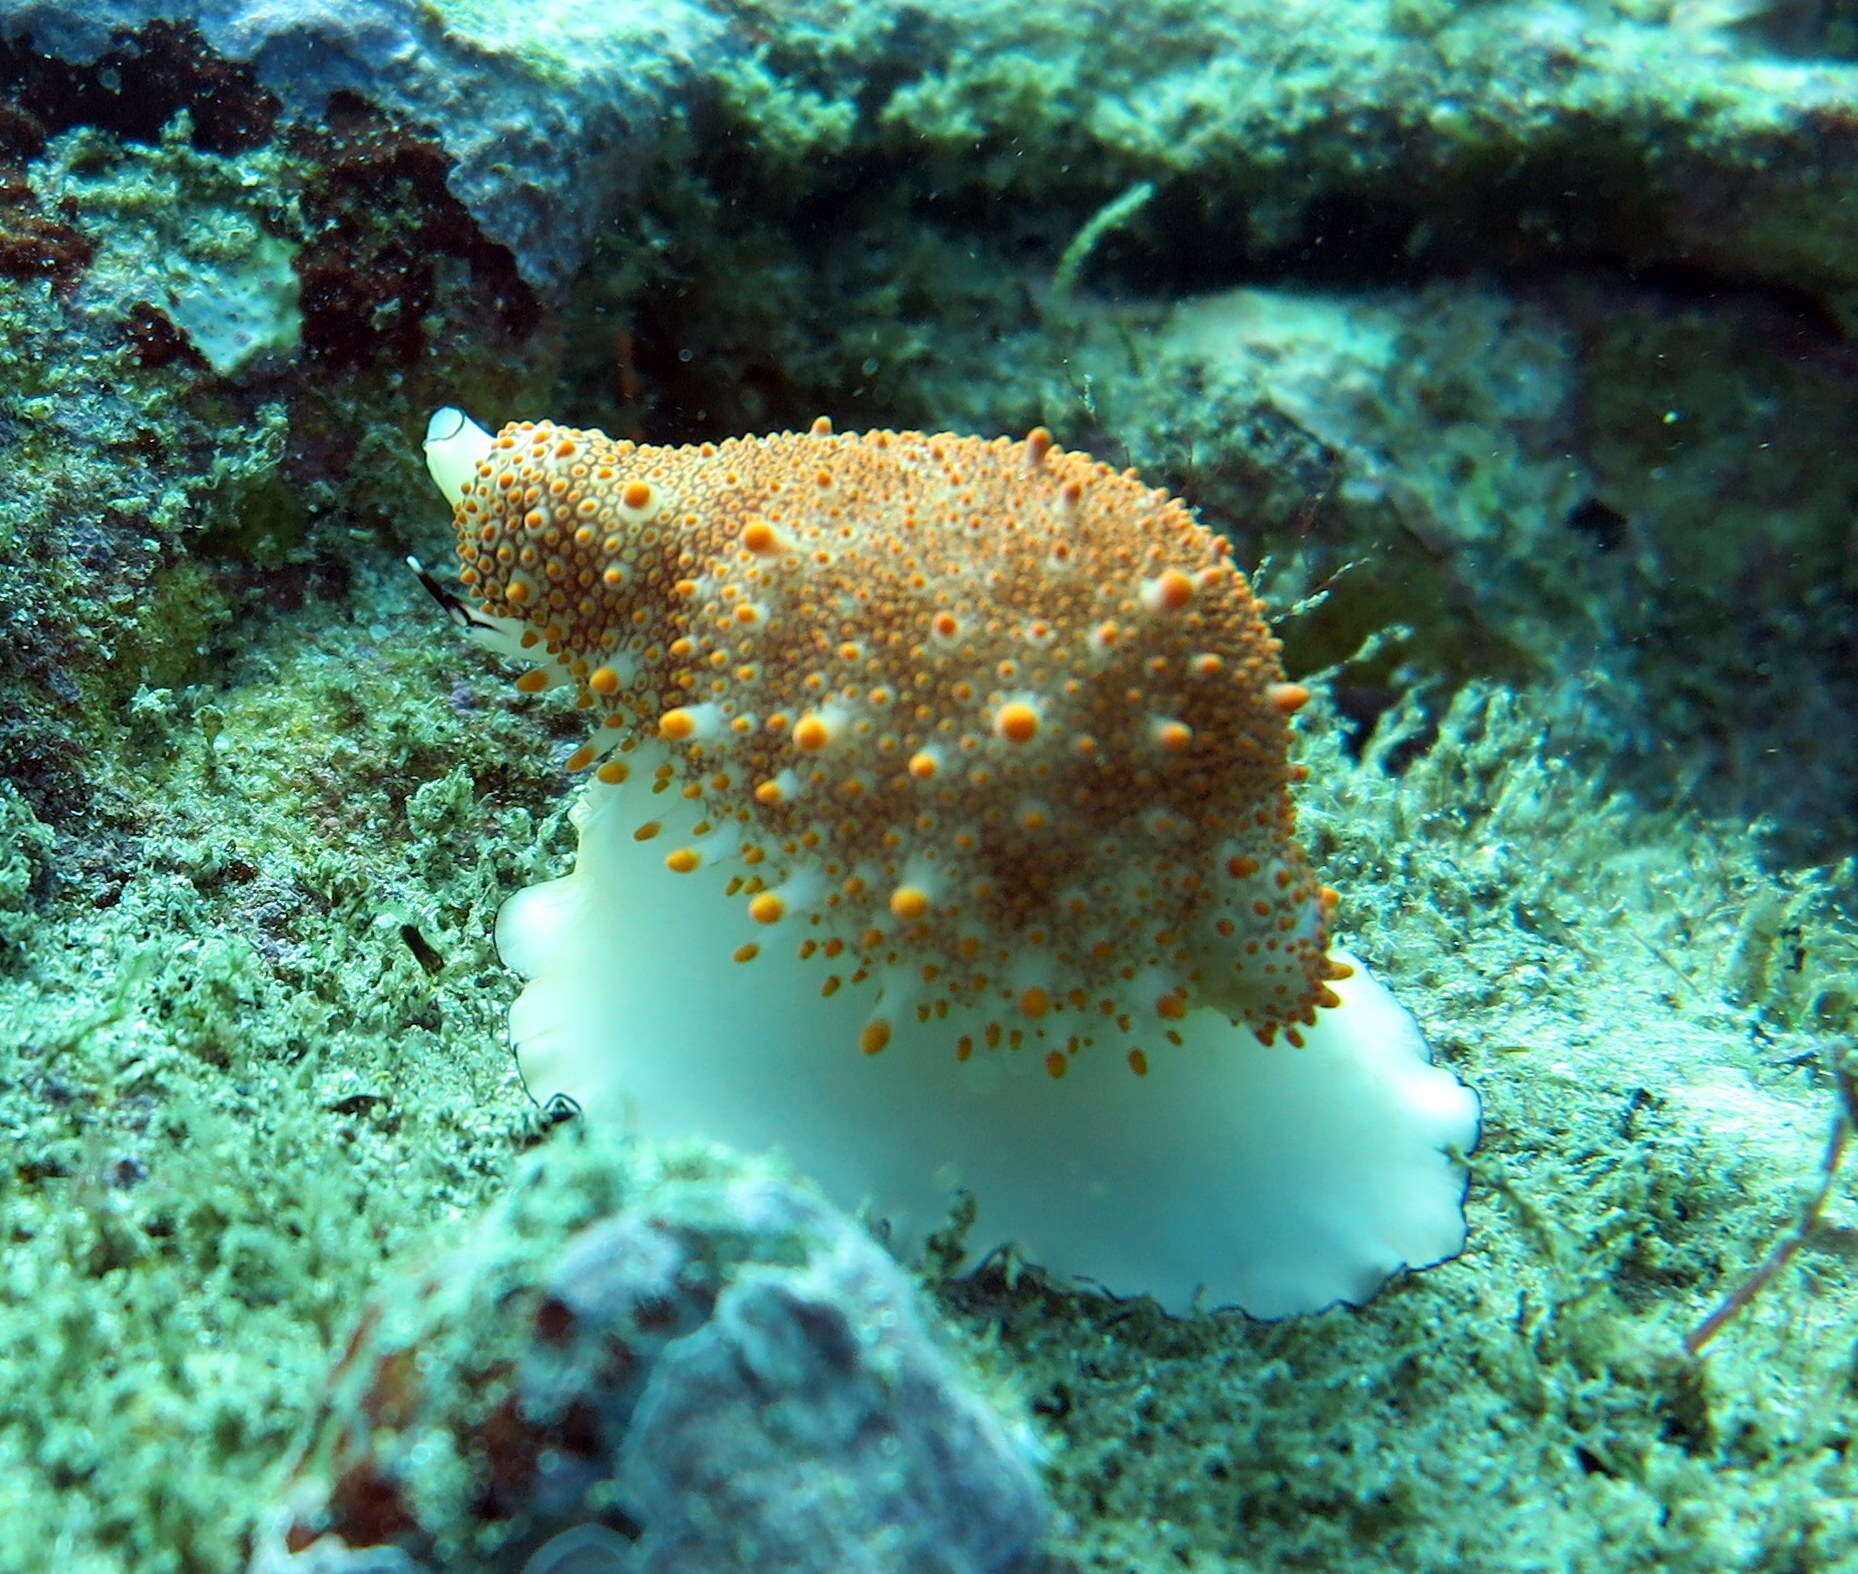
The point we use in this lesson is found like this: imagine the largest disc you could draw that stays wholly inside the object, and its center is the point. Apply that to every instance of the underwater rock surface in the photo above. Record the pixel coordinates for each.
(1508, 342)
(644, 1369)
(545, 112)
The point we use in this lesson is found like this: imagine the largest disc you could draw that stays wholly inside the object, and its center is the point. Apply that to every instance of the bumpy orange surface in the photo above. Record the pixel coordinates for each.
(989, 720)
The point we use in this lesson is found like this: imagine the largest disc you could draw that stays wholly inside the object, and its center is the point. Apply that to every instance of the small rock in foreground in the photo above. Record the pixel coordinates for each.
(640, 1366)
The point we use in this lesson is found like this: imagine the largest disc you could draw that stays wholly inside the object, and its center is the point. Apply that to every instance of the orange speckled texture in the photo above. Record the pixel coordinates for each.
(986, 714)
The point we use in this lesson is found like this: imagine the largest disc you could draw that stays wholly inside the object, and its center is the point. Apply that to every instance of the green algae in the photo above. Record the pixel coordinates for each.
(162, 481)
(1529, 1404)
(236, 1088)
(250, 860)
(242, 1092)
(209, 238)
(125, 463)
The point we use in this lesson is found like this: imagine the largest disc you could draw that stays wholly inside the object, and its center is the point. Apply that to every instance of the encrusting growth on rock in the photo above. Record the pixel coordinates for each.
(971, 756)
(989, 722)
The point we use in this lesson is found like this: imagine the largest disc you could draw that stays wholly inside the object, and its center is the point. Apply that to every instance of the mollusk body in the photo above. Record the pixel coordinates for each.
(939, 833)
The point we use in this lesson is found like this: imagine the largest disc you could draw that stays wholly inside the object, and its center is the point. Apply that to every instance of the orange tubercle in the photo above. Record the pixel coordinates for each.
(909, 902)
(1016, 722)
(1288, 697)
(762, 539)
(1173, 590)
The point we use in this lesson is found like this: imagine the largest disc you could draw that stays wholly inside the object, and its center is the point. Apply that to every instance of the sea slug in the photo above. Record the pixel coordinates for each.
(939, 833)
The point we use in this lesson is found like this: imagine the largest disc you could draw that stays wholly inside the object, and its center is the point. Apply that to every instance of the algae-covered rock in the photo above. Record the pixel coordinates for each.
(542, 111)
(1510, 338)
(655, 1367)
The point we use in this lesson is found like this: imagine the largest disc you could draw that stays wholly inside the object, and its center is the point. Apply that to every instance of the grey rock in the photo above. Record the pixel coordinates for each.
(649, 1371)
(543, 108)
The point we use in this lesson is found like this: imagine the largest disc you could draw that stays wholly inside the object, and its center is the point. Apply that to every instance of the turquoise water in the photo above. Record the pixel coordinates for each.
(1507, 346)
